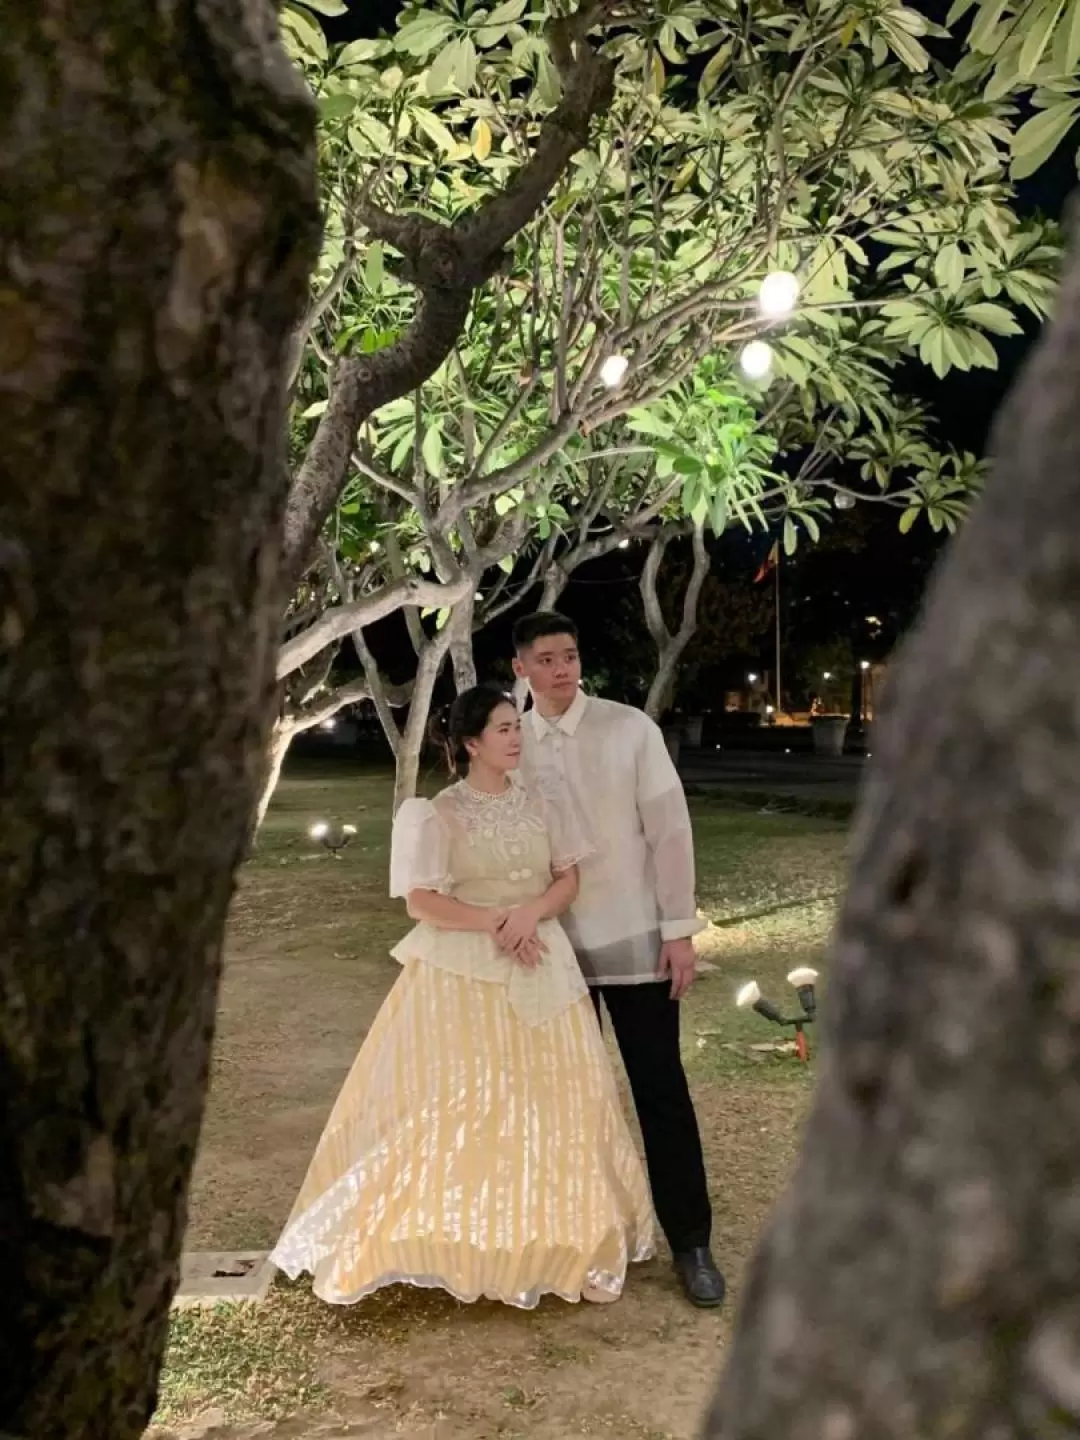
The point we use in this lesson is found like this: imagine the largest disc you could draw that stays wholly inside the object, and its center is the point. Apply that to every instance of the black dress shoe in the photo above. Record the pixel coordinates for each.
(704, 1285)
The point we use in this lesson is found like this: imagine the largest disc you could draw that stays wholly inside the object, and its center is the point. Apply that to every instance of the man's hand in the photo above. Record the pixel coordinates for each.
(679, 964)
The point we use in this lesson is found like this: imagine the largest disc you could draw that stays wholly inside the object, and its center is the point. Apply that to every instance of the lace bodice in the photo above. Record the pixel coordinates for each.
(483, 849)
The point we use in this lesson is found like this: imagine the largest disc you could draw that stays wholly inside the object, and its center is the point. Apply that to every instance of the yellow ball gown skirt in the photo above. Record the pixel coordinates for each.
(477, 1145)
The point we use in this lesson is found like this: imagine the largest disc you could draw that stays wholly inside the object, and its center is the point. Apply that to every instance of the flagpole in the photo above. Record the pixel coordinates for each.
(776, 591)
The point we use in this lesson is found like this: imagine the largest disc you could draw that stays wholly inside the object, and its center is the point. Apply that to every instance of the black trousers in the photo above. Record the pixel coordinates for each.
(646, 1024)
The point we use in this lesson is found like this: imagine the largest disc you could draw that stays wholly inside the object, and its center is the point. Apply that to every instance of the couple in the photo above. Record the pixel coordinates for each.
(477, 1145)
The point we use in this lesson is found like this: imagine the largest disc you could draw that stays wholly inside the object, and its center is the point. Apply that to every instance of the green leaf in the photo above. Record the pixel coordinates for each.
(360, 52)
(442, 617)
(334, 107)
(791, 536)
(949, 267)
(312, 410)
(1067, 42)
(908, 518)
(1039, 137)
(983, 36)
(374, 270)
(424, 34)
(441, 74)
(718, 512)
(506, 564)
(710, 76)
(1038, 30)
(994, 318)
(432, 450)
(435, 130)
(306, 32)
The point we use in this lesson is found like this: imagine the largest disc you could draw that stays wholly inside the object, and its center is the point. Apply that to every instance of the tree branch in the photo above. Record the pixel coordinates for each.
(446, 264)
(344, 619)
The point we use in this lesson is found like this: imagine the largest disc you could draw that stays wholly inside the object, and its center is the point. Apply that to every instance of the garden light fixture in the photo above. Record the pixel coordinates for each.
(803, 980)
(333, 838)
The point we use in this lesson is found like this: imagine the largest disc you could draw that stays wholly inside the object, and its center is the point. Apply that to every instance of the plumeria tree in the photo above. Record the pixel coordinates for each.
(821, 143)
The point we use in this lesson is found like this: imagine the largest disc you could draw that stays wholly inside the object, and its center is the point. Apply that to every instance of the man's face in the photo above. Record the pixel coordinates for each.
(552, 666)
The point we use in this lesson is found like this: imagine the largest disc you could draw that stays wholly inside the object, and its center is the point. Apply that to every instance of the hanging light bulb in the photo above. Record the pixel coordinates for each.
(843, 501)
(624, 544)
(613, 371)
(756, 360)
(778, 294)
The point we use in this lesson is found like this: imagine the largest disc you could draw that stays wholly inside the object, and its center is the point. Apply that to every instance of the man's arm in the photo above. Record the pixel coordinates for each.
(665, 821)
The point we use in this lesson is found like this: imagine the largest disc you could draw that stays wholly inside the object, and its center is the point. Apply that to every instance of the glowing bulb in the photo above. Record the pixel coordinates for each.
(374, 547)
(613, 371)
(756, 360)
(749, 995)
(802, 976)
(319, 831)
(826, 674)
(624, 544)
(843, 501)
(778, 294)
(770, 709)
(864, 664)
(348, 829)
(751, 679)
(328, 725)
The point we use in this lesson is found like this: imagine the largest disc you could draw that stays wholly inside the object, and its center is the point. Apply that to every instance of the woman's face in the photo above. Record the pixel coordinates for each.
(500, 744)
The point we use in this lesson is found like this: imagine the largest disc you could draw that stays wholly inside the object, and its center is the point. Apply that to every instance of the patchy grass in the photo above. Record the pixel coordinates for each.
(307, 967)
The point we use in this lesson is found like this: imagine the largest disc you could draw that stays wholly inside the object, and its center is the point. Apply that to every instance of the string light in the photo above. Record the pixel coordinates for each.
(613, 371)
(778, 293)
(756, 360)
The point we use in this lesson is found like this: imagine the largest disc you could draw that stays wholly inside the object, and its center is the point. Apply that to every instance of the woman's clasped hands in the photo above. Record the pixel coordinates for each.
(515, 933)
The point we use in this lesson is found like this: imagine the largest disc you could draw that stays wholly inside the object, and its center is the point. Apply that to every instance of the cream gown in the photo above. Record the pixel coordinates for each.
(478, 1145)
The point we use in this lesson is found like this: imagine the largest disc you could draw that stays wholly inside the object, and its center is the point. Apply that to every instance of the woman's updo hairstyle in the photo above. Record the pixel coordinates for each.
(466, 719)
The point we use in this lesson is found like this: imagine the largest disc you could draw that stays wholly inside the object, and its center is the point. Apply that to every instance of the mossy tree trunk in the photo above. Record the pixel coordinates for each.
(158, 220)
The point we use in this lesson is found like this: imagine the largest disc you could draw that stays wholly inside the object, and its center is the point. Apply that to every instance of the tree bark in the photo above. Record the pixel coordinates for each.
(460, 626)
(670, 648)
(159, 221)
(921, 1275)
(414, 735)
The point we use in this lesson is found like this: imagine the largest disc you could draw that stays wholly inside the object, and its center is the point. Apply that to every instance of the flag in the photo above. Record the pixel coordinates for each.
(769, 564)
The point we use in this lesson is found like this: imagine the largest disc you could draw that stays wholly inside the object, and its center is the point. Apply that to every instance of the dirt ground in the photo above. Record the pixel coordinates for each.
(307, 967)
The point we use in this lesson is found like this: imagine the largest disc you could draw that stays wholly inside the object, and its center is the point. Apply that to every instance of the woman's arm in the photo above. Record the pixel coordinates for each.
(519, 924)
(446, 913)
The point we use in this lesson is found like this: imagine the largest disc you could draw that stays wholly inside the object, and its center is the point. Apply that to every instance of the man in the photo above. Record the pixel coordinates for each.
(635, 914)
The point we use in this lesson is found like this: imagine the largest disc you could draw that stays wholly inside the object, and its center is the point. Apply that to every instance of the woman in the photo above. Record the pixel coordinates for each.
(477, 1145)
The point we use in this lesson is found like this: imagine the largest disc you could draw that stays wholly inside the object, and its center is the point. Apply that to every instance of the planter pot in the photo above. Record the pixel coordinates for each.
(673, 739)
(830, 732)
(692, 731)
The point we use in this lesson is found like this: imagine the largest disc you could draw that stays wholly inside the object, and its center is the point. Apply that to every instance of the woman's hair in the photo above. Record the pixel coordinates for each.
(466, 719)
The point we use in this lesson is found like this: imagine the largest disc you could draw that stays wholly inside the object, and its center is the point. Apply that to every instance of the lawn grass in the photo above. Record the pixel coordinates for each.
(307, 966)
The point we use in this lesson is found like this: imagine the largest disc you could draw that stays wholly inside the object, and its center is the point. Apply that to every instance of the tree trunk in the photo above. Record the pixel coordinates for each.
(460, 626)
(920, 1277)
(411, 749)
(157, 165)
(281, 737)
(670, 648)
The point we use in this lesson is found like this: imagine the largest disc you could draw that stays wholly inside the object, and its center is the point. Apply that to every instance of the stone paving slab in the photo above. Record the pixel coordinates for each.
(223, 1277)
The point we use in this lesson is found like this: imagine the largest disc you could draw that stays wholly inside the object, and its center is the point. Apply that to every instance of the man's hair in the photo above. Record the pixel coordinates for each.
(531, 628)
